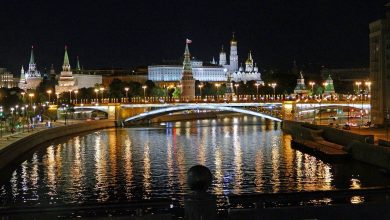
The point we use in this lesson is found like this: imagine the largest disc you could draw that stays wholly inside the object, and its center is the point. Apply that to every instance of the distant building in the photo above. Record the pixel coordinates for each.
(329, 87)
(380, 68)
(31, 78)
(251, 72)
(209, 72)
(173, 72)
(7, 79)
(66, 82)
(300, 88)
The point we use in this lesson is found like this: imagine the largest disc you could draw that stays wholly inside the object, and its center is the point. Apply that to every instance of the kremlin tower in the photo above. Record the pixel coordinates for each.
(187, 80)
(66, 81)
(31, 78)
(300, 88)
(233, 67)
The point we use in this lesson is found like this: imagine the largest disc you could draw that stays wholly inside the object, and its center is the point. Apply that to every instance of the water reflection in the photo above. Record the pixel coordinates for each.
(245, 155)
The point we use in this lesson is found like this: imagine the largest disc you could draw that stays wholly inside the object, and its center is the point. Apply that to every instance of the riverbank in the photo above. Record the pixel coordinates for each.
(18, 144)
(359, 145)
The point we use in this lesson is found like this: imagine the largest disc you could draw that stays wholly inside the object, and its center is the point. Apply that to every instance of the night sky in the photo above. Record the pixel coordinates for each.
(124, 34)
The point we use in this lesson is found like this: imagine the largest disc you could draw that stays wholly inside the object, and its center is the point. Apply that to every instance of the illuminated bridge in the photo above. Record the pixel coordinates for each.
(132, 112)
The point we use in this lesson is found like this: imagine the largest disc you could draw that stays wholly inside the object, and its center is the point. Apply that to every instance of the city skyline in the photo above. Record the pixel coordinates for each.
(124, 35)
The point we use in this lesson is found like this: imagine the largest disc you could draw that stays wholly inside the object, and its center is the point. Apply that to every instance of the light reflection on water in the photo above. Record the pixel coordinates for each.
(245, 155)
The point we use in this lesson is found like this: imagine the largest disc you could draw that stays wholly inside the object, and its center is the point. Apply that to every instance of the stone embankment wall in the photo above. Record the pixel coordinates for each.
(16, 149)
(361, 147)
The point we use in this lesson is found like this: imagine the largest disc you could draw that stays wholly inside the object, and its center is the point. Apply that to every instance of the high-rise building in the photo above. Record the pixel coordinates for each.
(66, 81)
(380, 68)
(31, 78)
(187, 80)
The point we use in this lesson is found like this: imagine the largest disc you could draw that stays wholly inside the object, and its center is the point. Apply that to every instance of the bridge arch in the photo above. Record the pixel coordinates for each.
(163, 111)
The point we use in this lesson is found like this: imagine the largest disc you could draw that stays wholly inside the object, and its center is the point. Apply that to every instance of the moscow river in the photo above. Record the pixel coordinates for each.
(245, 155)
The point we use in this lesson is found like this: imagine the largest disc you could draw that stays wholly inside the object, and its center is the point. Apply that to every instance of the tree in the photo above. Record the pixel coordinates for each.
(158, 92)
(177, 93)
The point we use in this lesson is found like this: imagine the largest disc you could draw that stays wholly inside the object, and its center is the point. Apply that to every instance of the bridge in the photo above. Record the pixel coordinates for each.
(275, 110)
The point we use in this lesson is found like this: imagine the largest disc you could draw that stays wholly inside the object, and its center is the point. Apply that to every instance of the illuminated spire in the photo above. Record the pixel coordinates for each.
(66, 64)
(78, 64)
(32, 60)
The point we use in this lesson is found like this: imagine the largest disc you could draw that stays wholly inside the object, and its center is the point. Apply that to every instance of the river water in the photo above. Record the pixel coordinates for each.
(245, 155)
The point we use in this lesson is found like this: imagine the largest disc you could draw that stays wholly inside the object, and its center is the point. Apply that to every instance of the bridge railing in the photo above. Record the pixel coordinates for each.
(222, 99)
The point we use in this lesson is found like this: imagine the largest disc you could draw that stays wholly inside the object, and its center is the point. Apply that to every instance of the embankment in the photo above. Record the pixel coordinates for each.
(20, 146)
(361, 147)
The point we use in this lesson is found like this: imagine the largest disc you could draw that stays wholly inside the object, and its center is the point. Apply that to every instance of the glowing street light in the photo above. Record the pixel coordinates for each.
(97, 93)
(70, 96)
(102, 90)
(144, 87)
(273, 85)
(236, 85)
(257, 89)
(23, 93)
(75, 94)
(49, 93)
(200, 90)
(127, 91)
(34, 107)
(31, 95)
(312, 86)
(217, 85)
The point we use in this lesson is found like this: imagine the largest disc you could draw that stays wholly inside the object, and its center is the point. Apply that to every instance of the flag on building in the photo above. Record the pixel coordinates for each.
(188, 41)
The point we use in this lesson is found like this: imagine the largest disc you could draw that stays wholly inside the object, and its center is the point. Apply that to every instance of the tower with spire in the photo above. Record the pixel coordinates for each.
(187, 80)
(222, 57)
(233, 67)
(300, 88)
(31, 78)
(329, 87)
(66, 81)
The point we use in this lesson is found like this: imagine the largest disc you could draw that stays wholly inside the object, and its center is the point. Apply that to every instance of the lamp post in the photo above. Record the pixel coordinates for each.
(273, 85)
(102, 90)
(237, 85)
(312, 87)
(127, 91)
(49, 93)
(144, 87)
(368, 84)
(358, 85)
(58, 96)
(23, 93)
(200, 90)
(97, 97)
(31, 95)
(257, 90)
(70, 96)
(75, 94)
(217, 85)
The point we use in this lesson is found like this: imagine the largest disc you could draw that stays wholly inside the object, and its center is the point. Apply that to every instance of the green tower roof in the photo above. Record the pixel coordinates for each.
(66, 58)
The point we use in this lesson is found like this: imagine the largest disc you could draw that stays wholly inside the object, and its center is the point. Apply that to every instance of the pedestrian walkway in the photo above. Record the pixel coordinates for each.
(10, 138)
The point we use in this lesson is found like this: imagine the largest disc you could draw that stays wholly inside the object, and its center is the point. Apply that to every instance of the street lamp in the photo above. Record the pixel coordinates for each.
(127, 91)
(273, 85)
(23, 93)
(34, 107)
(217, 85)
(49, 93)
(237, 85)
(75, 94)
(70, 96)
(358, 85)
(58, 96)
(31, 95)
(368, 84)
(200, 90)
(97, 93)
(144, 87)
(312, 86)
(257, 89)
(102, 90)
